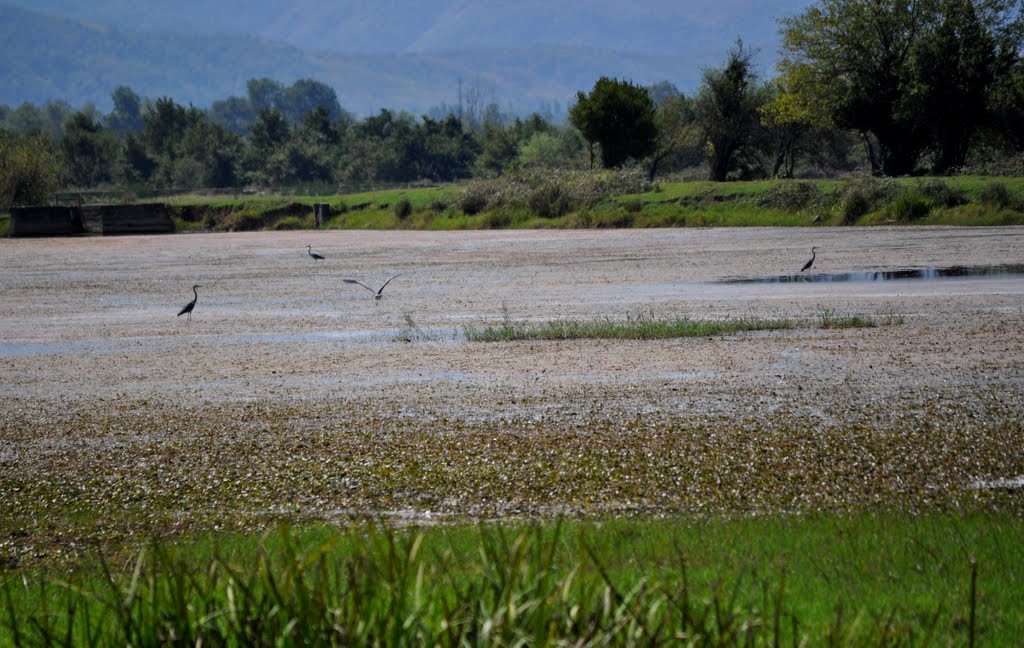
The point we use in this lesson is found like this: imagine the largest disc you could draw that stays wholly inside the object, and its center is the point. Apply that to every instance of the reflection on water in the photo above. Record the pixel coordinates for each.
(951, 272)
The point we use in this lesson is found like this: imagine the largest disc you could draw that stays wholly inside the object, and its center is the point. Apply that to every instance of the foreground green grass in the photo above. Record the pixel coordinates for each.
(643, 326)
(863, 579)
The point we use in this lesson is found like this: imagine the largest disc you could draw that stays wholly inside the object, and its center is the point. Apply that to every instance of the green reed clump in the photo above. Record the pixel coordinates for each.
(647, 326)
(828, 318)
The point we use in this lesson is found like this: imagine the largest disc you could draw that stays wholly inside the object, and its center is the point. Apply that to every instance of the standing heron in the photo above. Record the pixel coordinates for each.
(316, 257)
(192, 304)
(377, 294)
(811, 262)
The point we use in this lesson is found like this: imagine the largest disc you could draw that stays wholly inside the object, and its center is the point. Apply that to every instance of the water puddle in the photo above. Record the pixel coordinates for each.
(133, 345)
(928, 274)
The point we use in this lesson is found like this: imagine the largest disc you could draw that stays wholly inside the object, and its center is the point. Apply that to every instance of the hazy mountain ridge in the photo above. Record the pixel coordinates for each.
(82, 59)
(658, 26)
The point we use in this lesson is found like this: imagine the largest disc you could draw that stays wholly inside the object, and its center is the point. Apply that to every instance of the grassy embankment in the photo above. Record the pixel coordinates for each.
(861, 579)
(605, 199)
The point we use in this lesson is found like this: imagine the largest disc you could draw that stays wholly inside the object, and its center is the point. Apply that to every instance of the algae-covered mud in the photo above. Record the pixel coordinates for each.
(293, 394)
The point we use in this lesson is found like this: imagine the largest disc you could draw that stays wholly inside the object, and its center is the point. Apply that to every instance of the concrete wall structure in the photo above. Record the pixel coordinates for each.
(147, 218)
(42, 221)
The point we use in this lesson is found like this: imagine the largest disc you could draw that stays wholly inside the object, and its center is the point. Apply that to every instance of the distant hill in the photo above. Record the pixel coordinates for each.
(375, 54)
(404, 26)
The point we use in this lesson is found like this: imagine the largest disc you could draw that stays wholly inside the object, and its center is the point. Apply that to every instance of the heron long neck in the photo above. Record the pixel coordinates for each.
(196, 293)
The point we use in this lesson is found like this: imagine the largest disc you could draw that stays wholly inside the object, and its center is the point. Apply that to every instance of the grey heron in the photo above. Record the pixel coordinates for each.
(192, 304)
(377, 294)
(810, 262)
(316, 257)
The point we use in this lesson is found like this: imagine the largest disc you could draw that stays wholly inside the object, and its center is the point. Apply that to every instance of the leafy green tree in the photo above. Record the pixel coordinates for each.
(163, 126)
(502, 145)
(791, 122)
(376, 148)
(727, 110)
(1006, 104)
(234, 114)
(619, 117)
(28, 118)
(57, 113)
(662, 90)
(442, 150)
(208, 156)
(956, 65)
(264, 94)
(127, 113)
(29, 169)
(137, 167)
(90, 151)
(550, 150)
(262, 161)
(25, 119)
(855, 59)
(311, 151)
(306, 95)
(677, 129)
(498, 148)
(907, 75)
(270, 130)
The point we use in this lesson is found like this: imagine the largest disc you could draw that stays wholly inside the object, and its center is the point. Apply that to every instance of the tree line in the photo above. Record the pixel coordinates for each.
(901, 86)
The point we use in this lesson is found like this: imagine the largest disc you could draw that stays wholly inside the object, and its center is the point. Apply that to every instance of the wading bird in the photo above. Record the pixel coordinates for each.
(811, 262)
(316, 257)
(377, 294)
(192, 304)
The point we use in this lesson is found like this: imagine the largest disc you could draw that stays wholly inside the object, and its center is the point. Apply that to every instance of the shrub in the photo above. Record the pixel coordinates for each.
(909, 206)
(996, 194)
(985, 160)
(402, 209)
(549, 200)
(863, 195)
(438, 205)
(474, 199)
(496, 220)
(633, 206)
(942, 195)
(791, 195)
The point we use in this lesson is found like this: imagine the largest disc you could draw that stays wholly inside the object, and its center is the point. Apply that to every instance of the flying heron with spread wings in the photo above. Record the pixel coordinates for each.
(377, 294)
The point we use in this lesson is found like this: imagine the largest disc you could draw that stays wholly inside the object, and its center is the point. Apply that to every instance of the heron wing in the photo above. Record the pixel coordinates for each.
(387, 282)
(356, 281)
(189, 306)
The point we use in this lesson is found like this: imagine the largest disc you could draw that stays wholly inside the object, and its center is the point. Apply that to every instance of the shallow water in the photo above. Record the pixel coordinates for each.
(949, 272)
(128, 345)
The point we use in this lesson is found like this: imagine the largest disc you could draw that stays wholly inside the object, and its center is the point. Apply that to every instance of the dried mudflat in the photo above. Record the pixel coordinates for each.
(292, 394)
